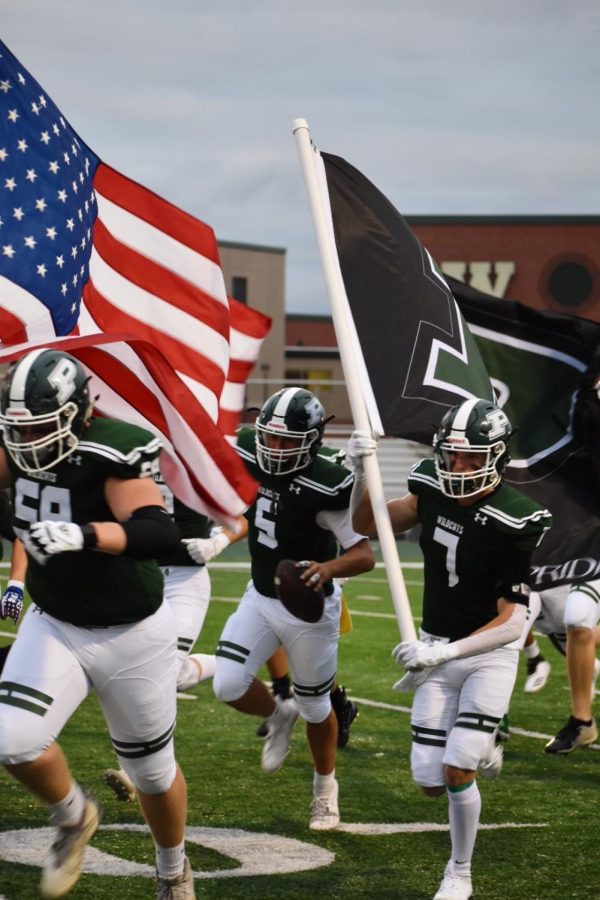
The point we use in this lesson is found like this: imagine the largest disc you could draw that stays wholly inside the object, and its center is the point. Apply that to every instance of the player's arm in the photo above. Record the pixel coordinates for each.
(145, 530)
(506, 627)
(403, 513)
(11, 604)
(202, 550)
(357, 556)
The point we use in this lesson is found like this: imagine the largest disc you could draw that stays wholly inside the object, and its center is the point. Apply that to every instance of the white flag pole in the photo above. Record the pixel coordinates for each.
(348, 354)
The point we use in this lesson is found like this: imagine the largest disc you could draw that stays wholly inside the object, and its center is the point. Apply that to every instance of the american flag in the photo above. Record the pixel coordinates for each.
(248, 329)
(129, 283)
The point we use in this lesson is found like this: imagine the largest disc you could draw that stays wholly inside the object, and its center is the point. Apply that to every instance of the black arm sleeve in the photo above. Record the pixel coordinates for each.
(150, 532)
(517, 568)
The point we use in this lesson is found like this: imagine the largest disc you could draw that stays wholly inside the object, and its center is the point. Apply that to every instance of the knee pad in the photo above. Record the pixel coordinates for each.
(426, 764)
(154, 773)
(230, 681)
(581, 610)
(23, 736)
(314, 709)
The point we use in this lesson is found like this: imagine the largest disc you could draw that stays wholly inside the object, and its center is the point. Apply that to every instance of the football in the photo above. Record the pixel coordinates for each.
(302, 601)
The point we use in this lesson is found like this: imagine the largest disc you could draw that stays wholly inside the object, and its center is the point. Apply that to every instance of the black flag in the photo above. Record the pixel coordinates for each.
(421, 358)
(419, 355)
(544, 367)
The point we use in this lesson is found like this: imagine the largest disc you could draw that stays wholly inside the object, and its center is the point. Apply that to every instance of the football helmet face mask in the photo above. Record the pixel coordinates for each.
(476, 429)
(289, 431)
(44, 407)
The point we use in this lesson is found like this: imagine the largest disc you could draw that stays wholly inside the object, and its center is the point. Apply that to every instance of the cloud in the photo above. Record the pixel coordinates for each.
(453, 108)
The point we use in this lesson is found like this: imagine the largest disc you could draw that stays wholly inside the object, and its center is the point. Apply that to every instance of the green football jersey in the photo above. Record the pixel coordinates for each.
(89, 588)
(472, 554)
(190, 523)
(283, 519)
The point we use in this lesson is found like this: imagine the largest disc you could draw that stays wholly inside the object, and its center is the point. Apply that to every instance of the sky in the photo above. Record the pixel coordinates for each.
(462, 107)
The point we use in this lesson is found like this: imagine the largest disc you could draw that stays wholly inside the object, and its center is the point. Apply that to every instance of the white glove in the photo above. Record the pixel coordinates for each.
(360, 444)
(45, 539)
(411, 680)
(419, 655)
(202, 550)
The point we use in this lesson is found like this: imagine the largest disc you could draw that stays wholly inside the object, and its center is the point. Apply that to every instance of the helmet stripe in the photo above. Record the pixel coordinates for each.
(461, 419)
(18, 380)
(284, 401)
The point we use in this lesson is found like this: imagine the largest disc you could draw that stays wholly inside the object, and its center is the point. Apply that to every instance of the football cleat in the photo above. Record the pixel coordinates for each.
(454, 886)
(280, 725)
(62, 869)
(179, 888)
(538, 670)
(325, 811)
(574, 734)
(492, 765)
(120, 784)
(345, 712)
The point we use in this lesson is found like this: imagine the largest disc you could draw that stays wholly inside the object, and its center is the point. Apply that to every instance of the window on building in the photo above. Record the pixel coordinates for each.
(239, 288)
(570, 284)
(316, 380)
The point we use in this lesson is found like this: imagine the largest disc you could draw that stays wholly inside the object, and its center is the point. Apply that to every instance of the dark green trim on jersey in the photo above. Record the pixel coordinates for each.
(282, 521)
(432, 737)
(137, 749)
(473, 555)
(8, 689)
(318, 690)
(232, 651)
(477, 721)
(89, 588)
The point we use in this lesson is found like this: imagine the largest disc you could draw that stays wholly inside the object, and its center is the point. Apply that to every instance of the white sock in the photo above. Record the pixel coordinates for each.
(207, 663)
(70, 810)
(464, 807)
(532, 650)
(322, 784)
(170, 860)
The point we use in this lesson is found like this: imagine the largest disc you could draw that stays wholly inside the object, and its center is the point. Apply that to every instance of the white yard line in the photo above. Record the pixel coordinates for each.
(376, 704)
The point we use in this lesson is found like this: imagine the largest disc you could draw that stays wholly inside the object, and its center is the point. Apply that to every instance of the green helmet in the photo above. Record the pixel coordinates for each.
(44, 407)
(477, 427)
(297, 418)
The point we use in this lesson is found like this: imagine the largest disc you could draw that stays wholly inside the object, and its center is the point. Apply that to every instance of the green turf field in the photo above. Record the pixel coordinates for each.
(248, 831)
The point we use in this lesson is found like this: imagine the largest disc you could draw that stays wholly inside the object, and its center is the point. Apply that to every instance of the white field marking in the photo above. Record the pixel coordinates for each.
(373, 829)
(356, 578)
(182, 696)
(375, 597)
(8, 634)
(257, 853)
(245, 567)
(353, 612)
(376, 704)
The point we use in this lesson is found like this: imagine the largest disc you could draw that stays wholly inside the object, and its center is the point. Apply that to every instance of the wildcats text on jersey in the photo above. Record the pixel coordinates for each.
(449, 525)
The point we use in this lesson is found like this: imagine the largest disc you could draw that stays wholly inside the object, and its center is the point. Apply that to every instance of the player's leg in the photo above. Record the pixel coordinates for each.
(312, 653)
(281, 685)
(187, 591)
(42, 685)
(580, 618)
(246, 642)
(135, 673)
(488, 681)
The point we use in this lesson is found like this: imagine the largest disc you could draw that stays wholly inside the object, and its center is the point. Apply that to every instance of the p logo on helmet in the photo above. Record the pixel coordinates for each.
(481, 430)
(289, 431)
(44, 407)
